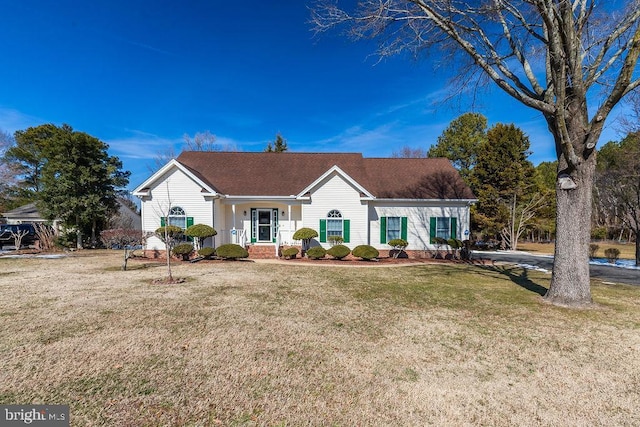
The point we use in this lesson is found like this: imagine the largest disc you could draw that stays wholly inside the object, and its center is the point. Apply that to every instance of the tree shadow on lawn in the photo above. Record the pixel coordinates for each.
(518, 275)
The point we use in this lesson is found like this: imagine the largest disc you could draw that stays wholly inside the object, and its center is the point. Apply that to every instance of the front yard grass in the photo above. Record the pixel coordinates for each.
(244, 343)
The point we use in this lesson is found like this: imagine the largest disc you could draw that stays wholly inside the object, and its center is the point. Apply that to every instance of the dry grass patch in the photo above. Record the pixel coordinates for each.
(267, 344)
(627, 250)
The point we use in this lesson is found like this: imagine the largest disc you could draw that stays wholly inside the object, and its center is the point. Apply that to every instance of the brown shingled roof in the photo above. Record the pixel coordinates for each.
(284, 174)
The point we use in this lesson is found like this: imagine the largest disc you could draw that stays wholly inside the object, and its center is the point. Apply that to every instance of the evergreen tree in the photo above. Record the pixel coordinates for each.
(27, 156)
(279, 145)
(501, 173)
(544, 225)
(80, 182)
(461, 141)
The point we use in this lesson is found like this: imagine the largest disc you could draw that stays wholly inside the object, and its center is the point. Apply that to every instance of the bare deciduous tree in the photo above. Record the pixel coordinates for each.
(407, 152)
(18, 235)
(169, 234)
(161, 159)
(200, 141)
(46, 236)
(521, 215)
(9, 171)
(571, 60)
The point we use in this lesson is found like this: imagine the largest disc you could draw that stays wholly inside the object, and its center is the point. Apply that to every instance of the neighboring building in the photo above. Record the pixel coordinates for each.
(25, 214)
(126, 217)
(259, 200)
(28, 214)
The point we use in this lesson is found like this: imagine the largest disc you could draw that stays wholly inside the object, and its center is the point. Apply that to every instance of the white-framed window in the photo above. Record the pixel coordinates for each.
(443, 227)
(334, 223)
(394, 228)
(178, 217)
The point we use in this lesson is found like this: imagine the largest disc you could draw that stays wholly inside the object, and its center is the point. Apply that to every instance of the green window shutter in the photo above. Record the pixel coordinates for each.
(346, 230)
(189, 224)
(383, 229)
(454, 228)
(274, 218)
(432, 230)
(162, 221)
(403, 230)
(254, 224)
(323, 230)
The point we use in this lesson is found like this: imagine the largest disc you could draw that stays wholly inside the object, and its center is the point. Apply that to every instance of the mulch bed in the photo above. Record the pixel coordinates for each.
(381, 261)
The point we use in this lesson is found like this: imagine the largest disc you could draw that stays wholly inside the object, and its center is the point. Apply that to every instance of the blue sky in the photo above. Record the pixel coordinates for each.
(140, 74)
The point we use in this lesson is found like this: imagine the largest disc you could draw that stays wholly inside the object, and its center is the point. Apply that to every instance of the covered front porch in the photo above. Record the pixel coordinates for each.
(257, 222)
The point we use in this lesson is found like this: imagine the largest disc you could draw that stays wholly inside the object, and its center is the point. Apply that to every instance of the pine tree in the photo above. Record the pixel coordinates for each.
(279, 145)
(501, 173)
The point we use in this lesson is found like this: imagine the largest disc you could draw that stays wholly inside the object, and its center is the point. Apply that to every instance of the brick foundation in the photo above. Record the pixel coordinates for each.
(268, 252)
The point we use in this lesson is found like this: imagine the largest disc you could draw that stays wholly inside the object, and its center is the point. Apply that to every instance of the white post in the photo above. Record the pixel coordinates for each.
(289, 241)
(233, 212)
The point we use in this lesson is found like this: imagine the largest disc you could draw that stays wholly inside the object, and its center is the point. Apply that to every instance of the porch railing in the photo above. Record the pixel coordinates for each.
(238, 236)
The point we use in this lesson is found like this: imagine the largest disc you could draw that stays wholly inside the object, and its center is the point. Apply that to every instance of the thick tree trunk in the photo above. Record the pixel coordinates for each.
(637, 249)
(570, 281)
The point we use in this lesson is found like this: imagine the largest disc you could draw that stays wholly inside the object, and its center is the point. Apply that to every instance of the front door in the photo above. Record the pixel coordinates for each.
(265, 225)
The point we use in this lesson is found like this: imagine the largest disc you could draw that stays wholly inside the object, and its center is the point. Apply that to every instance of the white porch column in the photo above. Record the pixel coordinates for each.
(233, 211)
(289, 240)
(213, 221)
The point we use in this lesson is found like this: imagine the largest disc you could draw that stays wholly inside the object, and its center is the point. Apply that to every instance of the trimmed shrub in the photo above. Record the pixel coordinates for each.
(365, 252)
(454, 243)
(440, 241)
(612, 254)
(183, 250)
(207, 252)
(305, 234)
(200, 232)
(316, 252)
(338, 251)
(172, 230)
(398, 243)
(232, 251)
(398, 246)
(335, 240)
(593, 250)
(290, 253)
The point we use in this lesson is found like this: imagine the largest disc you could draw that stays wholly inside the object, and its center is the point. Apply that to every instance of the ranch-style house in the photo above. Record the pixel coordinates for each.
(259, 199)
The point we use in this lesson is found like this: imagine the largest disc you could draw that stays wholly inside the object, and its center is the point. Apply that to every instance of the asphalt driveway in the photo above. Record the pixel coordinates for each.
(604, 273)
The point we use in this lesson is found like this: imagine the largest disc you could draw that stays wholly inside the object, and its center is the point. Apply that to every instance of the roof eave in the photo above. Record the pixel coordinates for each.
(231, 197)
(471, 201)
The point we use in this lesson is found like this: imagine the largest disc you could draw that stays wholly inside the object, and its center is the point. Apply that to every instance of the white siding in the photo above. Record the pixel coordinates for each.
(336, 193)
(174, 189)
(418, 218)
